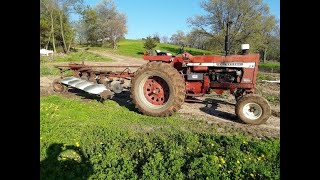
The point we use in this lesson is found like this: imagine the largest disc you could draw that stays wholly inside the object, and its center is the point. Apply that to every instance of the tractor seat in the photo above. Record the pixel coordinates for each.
(160, 53)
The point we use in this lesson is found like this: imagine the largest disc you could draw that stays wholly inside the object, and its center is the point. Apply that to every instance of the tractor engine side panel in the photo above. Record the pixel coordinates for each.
(198, 87)
(249, 75)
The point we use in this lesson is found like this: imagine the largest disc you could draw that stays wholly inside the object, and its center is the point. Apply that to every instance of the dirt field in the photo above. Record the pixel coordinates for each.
(216, 111)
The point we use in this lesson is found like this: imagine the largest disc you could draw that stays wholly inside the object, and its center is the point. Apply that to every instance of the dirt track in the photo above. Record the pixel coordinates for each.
(218, 112)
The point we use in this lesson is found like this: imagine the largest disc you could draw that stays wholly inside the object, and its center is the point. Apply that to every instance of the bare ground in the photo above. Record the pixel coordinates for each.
(216, 111)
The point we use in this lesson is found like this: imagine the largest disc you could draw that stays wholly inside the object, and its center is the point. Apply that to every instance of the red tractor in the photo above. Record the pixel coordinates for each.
(161, 86)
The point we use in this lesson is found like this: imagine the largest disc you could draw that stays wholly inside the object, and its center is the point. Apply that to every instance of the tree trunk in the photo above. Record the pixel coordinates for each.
(48, 40)
(52, 31)
(265, 55)
(69, 45)
(114, 43)
(62, 34)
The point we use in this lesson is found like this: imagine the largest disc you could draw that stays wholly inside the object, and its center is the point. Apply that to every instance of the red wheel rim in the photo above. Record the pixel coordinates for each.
(156, 90)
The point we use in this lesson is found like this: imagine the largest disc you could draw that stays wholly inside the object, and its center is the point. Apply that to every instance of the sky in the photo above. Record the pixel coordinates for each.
(165, 17)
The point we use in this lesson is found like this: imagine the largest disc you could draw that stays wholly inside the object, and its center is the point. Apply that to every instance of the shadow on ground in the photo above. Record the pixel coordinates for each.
(212, 108)
(123, 99)
(57, 167)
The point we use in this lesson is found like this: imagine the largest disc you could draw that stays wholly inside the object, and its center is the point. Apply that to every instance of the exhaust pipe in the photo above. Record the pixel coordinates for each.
(226, 40)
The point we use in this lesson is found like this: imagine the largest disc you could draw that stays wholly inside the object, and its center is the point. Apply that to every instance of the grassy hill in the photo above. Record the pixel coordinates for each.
(134, 48)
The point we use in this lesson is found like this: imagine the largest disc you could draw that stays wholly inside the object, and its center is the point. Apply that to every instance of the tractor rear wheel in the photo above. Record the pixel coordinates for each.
(253, 109)
(157, 89)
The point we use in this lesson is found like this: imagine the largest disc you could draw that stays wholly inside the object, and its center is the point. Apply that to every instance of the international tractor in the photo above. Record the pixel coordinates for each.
(159, 87)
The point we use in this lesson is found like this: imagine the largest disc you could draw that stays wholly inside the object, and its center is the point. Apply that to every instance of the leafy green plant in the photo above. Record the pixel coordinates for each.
(117, 143)
(149, 44)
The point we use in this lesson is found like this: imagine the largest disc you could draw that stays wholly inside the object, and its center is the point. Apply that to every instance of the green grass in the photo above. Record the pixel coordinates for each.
(270, 66)
(264, 76)
(76, 57)
(273, 99)
(134, 48)
(90, 140)
(50, 70)
(46, 69)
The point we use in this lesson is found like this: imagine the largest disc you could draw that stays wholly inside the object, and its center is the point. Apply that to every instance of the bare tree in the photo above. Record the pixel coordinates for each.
(164, 39)
(111, 23)
(197, 39)
(117, 28)
(178, 38)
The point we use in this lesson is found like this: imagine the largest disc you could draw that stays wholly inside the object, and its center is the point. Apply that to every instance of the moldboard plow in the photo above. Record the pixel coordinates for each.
(93, 81)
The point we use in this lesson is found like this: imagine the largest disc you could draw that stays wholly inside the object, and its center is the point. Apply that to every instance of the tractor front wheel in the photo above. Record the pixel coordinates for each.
(253, 109)
(157, 89)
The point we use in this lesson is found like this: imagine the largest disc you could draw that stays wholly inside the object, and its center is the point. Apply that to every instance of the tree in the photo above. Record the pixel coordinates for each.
(56, 13)
(246, 17)
(103, 23)
(149, 44)
(178, 38)
(49, 6)
(273, 45)
(156, 37)
(117, 28)
(197, 39)
(89, 26)
(65, 7)
(164, 39)
(267, 32)
(112, 25)
(45, 32)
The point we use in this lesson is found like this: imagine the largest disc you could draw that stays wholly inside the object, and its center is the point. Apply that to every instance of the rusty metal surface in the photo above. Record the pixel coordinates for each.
(158, 58)
(194, 100)
(97, 66)
(195, 95)
(82, 71)
(231, 85)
